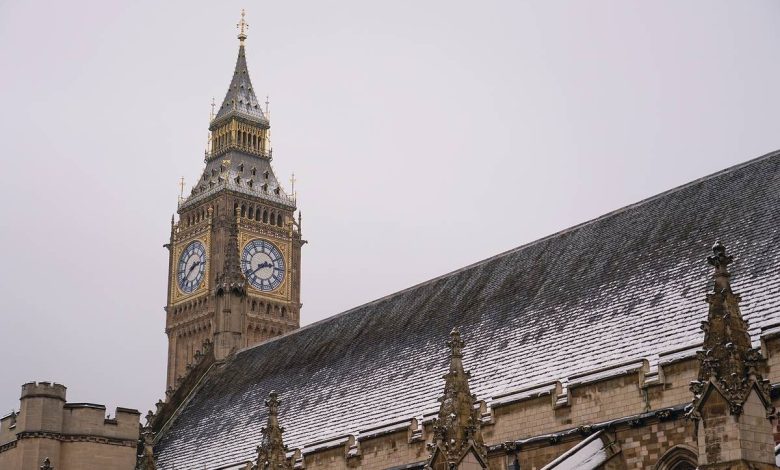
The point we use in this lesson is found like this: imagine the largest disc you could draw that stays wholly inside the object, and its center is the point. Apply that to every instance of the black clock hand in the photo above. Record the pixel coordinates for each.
(264, 264)
(194, 265)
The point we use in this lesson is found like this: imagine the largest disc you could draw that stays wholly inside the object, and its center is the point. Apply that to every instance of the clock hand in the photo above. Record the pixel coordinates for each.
(194, 265)
(264, 264)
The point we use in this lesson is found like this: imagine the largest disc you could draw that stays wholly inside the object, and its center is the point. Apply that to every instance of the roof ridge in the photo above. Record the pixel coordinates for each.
(524, 246)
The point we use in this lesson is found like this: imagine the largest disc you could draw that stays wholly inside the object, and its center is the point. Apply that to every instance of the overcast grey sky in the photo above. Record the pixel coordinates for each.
(425, 135)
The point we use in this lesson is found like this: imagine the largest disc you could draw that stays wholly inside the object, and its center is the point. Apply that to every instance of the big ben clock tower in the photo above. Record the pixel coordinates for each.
(235, 252)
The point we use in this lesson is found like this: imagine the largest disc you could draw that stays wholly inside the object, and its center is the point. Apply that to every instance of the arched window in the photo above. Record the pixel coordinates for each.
(279, 220)
(243, 210)
(265, 216)
(679, 457)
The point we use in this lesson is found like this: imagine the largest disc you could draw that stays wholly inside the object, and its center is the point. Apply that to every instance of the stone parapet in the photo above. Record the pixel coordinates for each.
(70, 435)
(43, 390)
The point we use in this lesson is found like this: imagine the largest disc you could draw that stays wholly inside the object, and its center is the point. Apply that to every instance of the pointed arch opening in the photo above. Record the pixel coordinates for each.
(679, 457)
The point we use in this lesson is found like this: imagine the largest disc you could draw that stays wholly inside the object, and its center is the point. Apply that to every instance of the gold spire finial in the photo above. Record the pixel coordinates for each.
(242, 26)
(181, 189)
(211, 118)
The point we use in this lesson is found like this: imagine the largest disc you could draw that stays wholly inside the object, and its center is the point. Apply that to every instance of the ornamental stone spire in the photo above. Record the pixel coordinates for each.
(731, 405)
(240, 100)
(457, 440)
(272, 453)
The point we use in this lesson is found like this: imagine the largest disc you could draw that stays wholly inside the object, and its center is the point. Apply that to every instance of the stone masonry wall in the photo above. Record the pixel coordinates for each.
(544, 423)
(75, 436)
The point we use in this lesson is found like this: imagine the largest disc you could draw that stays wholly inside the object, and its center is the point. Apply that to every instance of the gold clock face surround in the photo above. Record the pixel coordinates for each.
(177, 294)
(191, 267)
(263, 264)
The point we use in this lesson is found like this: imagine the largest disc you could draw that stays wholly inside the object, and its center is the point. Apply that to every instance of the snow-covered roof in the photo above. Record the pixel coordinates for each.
(627, 286)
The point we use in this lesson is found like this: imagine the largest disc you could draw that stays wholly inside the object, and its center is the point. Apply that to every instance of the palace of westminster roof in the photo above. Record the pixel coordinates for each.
(597, 298)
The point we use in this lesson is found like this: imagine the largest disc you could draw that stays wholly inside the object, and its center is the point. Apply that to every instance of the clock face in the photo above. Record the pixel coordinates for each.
(263, 264)
(192, 267)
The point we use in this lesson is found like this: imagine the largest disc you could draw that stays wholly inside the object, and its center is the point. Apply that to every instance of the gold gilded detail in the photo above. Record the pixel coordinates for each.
(176, 294)
(242, 26)
(285, 247)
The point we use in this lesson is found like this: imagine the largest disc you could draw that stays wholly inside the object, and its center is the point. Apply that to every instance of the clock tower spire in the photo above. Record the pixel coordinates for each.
(234, 269)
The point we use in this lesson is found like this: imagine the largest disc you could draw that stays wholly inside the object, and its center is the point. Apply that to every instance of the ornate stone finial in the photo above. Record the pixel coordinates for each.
(242, 26)
(455, 344)
(272, 403)
(46, 464)
(730, 370)
(457, 428)
(181, 189)
(720, 260)
(272, 453)
(728, 359)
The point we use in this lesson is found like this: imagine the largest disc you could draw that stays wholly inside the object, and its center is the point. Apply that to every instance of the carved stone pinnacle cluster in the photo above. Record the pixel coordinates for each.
(457, 428)
(231, 279)
(272, 453)
(728, 361)
(146, 459)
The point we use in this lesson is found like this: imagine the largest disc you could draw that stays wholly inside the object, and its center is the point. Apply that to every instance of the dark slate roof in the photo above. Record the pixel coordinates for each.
(240, 99)
(628, 285)
(216, 172)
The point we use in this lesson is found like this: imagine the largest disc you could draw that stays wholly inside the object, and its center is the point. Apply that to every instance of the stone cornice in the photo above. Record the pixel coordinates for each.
(62, 437)
(7, 446)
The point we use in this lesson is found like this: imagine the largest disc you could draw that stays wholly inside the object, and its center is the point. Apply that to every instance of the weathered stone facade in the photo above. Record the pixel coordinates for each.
(600, 306)
(70, 435)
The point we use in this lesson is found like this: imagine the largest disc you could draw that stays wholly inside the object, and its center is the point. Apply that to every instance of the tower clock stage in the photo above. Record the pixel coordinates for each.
(234, 253)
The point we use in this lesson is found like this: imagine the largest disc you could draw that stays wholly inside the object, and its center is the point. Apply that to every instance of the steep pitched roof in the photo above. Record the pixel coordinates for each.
(627, 285)
(240, 99)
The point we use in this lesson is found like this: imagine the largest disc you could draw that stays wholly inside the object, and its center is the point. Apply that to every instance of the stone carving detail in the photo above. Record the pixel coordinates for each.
(46, 464)
(146, 459)
(727, 361)
(456, 430)
(272, 453)
(231, 279)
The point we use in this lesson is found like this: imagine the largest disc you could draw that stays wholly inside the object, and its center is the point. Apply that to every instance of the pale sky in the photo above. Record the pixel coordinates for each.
(425, 135)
